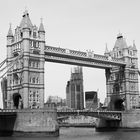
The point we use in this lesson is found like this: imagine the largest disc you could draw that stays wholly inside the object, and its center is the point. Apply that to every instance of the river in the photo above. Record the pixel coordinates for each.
(84, 134)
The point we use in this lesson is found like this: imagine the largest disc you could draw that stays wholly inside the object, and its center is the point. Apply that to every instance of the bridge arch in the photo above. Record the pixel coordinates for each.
(117, 104)
(17, 101)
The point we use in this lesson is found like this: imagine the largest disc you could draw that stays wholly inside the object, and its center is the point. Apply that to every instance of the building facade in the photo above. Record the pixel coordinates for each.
(91, 100)
(74, 89)
(122, 82)
(25, 80)
(58, 101)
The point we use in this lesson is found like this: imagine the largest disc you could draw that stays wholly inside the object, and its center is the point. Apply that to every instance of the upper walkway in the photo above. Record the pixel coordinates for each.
(88, 59)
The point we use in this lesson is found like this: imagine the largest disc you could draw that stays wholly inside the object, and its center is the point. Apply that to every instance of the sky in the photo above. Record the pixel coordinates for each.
(75, 24)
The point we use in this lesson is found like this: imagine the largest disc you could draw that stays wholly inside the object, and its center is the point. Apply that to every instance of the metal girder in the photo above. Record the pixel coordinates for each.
(107, 115)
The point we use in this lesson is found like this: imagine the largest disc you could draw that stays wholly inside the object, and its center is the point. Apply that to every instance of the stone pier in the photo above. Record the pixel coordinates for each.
(130, 120)
(27, 122)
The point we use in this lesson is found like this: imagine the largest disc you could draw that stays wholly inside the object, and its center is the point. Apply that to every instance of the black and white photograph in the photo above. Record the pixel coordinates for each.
(69, 70)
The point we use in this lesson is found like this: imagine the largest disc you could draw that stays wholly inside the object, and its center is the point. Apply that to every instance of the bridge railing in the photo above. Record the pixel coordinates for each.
(111, 115)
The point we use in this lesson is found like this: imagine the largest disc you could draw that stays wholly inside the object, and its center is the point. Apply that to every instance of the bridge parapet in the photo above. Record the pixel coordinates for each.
(10, 111)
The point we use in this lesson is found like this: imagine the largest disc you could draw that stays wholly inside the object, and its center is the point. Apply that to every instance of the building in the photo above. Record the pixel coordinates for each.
(25, 81)
(58, 101)
(91, 100)
(74, 89)
(122, 82)
(80, 120)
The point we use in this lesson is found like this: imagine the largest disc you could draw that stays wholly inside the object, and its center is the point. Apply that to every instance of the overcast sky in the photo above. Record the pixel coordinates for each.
(75, 24)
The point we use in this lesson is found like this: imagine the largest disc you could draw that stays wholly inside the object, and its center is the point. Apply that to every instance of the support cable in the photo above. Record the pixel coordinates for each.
(9, 66)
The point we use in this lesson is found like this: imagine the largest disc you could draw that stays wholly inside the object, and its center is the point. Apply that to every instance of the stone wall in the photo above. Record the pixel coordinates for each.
(131, 119)
(30, 121)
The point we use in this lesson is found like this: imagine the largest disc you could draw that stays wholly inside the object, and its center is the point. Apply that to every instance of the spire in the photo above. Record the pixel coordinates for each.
(26, 22)
(10, 33)
(106, 49)
(41, 28)
(134, 46)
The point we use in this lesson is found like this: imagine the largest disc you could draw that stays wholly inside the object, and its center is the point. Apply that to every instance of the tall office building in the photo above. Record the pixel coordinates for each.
(74, 89)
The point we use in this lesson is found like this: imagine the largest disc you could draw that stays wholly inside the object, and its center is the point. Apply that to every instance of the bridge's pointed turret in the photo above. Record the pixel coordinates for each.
(106, 50)
(10, 33)
(41, 31)
(9, 42)
(26, 22)
(134, 46)
(41, 27)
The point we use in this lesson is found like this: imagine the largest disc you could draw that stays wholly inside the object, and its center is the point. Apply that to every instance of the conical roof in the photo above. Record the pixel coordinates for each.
(41, 27)
(10, 33)
(26, 22)
(106, 49)
(134, 46)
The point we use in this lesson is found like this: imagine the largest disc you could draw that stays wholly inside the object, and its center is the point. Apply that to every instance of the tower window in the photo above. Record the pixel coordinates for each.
(37, 64)
(21, 34)
(34, 34)
(33, 64)
(34, 94)
(78, 88)
(34, 44)
(34, 80)
(30, 33)
(37, 80)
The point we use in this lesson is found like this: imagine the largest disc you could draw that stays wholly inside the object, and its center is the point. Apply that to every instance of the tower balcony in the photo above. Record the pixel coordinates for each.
(16, 51)
(35, 50)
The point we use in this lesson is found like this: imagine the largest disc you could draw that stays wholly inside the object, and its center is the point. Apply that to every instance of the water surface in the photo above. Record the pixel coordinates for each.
(84, 134)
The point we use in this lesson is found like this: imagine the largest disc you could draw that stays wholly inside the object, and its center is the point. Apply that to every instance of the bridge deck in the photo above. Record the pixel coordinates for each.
(108, 115)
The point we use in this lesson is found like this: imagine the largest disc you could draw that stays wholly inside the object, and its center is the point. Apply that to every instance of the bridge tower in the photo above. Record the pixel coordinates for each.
(122, 82)
(25, 80)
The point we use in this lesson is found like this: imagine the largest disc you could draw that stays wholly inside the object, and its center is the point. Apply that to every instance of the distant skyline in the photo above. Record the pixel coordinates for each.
(75, 24)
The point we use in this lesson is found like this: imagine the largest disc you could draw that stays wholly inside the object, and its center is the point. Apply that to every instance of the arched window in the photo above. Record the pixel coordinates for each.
(34, 35)
(33, 79)
(33, 64)
(34, 94)
(37, 80)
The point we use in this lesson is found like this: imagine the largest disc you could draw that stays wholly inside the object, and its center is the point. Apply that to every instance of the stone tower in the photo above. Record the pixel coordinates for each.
(122, 82)
(74, 89)
(25, 80)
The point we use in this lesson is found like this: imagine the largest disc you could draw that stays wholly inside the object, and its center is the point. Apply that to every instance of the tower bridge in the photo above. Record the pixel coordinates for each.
(23, 86)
